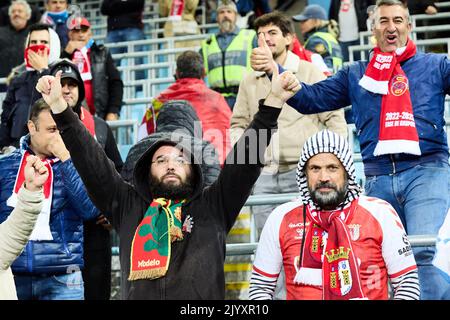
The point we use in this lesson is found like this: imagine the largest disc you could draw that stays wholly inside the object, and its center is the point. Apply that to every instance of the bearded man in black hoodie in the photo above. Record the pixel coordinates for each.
(172, 230)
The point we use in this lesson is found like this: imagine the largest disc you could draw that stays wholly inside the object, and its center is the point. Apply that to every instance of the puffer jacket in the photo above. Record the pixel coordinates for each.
(176, 116)
(429, 81)
(70, 206)
(196, 269)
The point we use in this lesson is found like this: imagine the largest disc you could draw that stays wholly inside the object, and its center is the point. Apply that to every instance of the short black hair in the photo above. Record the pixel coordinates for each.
(190, 65)
(38, 26)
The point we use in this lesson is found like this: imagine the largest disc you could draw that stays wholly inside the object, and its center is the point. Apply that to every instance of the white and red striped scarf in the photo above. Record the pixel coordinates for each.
(41, 230)
(176, 11)
(384, 75)
(328, 259)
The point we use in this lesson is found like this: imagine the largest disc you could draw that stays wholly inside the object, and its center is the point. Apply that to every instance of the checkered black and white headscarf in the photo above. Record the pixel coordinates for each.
(327, 141)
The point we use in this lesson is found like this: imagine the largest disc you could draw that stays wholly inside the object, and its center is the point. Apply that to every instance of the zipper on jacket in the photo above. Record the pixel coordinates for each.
(427, 121)
(223, 70)
(30, 256)
(393, 164)
(63, 238)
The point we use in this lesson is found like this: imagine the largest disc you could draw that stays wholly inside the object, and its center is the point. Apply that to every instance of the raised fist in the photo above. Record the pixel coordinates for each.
(36, 173)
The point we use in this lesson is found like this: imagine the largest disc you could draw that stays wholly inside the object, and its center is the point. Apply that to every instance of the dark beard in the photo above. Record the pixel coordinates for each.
(330, 200)
(160, 189)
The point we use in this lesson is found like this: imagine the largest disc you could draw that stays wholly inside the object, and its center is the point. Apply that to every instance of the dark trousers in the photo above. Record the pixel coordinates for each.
(97, 262)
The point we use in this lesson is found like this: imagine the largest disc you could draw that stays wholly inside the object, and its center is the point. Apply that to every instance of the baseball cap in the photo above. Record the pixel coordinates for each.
(226, 4)
(68, 69)
(313, 11)
(78, 23)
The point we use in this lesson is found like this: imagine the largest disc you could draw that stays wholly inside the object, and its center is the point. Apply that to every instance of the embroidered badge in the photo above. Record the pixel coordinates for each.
(399, 85)
(188, 224)
(354, 231)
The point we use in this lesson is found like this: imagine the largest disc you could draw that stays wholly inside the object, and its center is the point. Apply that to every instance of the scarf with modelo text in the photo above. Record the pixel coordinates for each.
(151, 246)
(384, 75)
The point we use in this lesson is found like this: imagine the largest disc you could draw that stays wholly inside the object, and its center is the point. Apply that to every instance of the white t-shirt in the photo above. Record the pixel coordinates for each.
(348, 22)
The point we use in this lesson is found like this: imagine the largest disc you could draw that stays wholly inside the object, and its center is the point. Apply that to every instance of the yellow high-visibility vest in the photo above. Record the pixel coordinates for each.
(226, 69)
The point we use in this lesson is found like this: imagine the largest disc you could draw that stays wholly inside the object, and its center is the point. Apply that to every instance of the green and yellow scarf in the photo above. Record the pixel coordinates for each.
(151, 246)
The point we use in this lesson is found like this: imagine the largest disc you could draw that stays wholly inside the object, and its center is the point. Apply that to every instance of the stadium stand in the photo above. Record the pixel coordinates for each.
(159, 64)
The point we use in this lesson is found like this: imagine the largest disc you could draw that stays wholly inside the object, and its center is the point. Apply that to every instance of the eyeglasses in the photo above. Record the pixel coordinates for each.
(179, 161)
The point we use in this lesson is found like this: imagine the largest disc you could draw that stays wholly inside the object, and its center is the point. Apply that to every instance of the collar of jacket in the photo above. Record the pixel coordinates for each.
(291, 64)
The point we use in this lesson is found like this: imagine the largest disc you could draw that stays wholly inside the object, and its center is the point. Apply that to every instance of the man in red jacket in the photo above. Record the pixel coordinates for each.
(210, 106)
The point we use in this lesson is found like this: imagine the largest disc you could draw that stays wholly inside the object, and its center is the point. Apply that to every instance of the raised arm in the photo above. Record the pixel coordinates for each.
(245, 161)
(16, 230)
(104, 185)
(330, 94)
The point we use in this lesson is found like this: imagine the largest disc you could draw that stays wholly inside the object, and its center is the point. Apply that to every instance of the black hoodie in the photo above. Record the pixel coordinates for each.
(196, 269)
(179, 116)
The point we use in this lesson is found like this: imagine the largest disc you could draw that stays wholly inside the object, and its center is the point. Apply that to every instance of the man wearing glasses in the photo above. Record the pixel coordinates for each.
(172, 230)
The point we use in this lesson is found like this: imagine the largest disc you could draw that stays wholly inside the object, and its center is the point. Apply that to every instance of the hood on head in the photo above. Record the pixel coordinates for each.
(191, 147)
(54, 45)
(179, 116)
(69, 70)
(327, 141)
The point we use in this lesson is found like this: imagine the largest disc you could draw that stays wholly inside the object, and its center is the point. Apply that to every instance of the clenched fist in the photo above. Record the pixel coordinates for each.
(36, 173)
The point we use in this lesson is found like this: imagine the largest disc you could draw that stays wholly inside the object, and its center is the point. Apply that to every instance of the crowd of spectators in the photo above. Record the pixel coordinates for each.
(251, 71)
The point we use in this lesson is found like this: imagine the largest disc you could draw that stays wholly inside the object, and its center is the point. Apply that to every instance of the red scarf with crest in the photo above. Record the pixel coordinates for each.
(328, 259)
(384, 75)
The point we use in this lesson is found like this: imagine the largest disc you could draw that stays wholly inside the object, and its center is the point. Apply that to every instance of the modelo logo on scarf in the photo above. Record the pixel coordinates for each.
(148, 263)
(399, 85)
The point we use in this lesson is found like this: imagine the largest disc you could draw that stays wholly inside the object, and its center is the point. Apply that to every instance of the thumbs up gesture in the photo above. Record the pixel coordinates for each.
(261, 58)
(50, 88)
(283, 87)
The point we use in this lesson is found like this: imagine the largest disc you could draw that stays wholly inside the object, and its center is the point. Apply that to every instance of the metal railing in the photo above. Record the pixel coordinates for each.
(421, 44)
(233, 249)
(364, 36)
(239, 249)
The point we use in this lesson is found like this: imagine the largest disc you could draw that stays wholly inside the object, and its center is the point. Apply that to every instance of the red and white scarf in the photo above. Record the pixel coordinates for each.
(384, 75)
(88, 120)
(176, 11)
(81, 59)
(328, 259)
(41, 230)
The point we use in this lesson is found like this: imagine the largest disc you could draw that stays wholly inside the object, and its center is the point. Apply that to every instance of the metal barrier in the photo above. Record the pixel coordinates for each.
(364, 49)
(364, 36)
(129, 125)
(440, 5)
(233, 249)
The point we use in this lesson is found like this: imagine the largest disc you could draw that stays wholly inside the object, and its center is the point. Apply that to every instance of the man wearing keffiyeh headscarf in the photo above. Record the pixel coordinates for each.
(397, 100)
(334, 244)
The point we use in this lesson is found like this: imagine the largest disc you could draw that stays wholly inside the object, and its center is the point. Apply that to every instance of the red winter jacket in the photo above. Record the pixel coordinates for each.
(211, 108)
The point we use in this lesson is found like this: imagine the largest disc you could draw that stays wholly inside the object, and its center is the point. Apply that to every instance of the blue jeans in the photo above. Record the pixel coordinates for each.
(50, 287)
(420, 195)
(127, 34)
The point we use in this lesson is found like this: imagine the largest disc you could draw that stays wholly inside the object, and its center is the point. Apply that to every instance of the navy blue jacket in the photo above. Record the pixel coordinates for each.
(70, 206)
(429, 82)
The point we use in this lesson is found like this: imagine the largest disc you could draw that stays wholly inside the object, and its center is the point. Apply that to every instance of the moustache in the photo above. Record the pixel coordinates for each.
(326, 185)
(170, 174)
